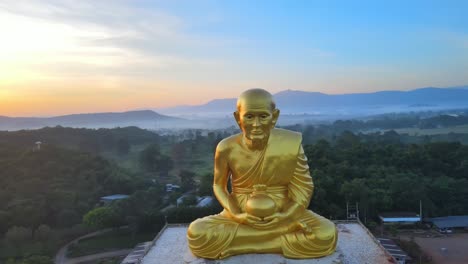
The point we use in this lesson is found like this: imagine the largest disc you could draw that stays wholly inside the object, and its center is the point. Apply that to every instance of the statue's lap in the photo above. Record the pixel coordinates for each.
(220, 232)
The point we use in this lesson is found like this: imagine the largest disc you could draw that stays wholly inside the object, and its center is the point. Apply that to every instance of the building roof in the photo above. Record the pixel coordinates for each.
(398, 214)
(205, 201)
(114, 197)
(450, 221)
(399, 217)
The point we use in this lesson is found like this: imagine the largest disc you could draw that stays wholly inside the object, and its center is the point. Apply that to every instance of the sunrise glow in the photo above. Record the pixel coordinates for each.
(63, 57)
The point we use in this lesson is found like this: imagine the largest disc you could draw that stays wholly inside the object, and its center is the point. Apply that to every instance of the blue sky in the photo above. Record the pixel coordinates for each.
(68, 56)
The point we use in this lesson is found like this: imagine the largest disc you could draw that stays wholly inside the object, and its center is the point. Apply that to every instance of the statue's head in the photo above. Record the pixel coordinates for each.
(256, 114)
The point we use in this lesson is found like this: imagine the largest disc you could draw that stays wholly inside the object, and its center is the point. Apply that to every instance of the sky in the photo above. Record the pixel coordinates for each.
(65, 56)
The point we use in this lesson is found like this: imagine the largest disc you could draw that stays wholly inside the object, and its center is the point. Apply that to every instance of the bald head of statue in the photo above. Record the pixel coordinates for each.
(256, 115)
(256, 95)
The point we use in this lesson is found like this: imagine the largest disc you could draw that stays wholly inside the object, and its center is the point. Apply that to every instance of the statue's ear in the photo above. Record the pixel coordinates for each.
(275, 114)
(237, 117)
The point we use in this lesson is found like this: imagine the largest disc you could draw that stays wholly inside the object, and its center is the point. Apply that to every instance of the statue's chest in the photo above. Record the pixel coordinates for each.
(240, 161)
(271, 169)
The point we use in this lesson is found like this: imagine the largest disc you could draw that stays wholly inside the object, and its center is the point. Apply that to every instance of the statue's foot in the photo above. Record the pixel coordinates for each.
(295, 226)
(224, 254)
(230, 252)
(299, 226)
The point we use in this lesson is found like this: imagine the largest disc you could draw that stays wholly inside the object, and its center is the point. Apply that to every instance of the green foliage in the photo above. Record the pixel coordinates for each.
(36, 259)
(89, 140)
(43, 233)
(4, 221)
(151, 160)
(371, 225)
(18, 235)
(102, 217)
(151, 222)
(123, 146)
(386, 175)
(54, 186)
(206, 185)
(189, 214)
(114, 240)
(189, 200)
(187, 180)
(140, 212)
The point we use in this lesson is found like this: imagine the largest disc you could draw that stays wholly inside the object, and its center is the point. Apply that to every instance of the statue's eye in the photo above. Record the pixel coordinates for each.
(249, 116)
(264, 116)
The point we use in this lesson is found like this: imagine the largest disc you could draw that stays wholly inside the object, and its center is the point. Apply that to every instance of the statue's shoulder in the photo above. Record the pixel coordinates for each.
(288, 135)
(228, 143)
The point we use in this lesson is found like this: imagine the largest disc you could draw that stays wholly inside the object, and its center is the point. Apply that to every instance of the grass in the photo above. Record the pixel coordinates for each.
(114, 240)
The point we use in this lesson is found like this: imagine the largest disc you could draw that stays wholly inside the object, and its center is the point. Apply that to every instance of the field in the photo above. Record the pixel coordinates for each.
(452, 249)
(433, 131)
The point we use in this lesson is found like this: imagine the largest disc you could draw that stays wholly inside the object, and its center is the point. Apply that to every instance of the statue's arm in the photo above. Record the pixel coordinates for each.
(221, 176)
(301, 186)
(300, 190)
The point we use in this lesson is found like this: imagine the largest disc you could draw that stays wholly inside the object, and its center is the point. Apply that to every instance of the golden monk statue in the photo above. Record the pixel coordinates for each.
(266, 212)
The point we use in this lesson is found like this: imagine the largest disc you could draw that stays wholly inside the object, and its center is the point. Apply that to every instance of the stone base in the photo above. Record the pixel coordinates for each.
(355, 246)
(335, 258)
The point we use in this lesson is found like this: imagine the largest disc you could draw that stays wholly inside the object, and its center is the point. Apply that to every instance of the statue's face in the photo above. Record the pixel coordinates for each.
(256, 118)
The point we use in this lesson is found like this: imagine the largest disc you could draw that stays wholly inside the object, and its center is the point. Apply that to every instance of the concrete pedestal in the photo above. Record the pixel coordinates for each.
(355, 246)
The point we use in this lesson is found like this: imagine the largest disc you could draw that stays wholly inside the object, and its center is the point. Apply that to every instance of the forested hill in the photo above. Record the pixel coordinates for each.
(54, 186)
(143, 118)
(89, 140)
(386, 176)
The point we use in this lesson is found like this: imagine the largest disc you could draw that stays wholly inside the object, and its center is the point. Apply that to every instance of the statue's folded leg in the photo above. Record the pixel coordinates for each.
(317, 240)
(211, 235)
(218, 236)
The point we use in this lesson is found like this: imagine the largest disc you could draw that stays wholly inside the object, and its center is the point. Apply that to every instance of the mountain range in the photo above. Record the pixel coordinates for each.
(295, 106)
(145, 119)
(301, 102)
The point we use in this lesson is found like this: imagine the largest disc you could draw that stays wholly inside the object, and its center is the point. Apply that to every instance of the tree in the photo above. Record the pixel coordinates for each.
(149, 157)
(101, 217)
(68, 218)
(37, 260)
(42, 233)
(18, 235)
(153, 161)
(123, 146)
(206, 185)
(132, 222)
(187, 181)
(4, 221)
(189, 200)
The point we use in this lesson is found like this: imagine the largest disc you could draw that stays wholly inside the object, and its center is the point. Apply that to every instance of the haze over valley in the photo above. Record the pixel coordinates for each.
(297, 107)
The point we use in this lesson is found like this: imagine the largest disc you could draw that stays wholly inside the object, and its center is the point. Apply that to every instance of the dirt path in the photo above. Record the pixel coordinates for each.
(61, 256)
(117, 253)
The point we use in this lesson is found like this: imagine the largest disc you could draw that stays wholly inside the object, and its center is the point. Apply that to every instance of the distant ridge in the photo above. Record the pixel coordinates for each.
(293, 101)
(143, 118)
(296, 107)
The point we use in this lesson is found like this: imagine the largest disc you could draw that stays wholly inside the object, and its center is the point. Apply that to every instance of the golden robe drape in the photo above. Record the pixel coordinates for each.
(283, 167)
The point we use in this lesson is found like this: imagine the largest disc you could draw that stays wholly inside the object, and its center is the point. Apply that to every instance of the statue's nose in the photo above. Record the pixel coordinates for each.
(256, 122)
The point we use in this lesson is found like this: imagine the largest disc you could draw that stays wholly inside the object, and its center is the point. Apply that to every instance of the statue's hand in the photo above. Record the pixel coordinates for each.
(279, 216)
(272, 221)
(245, 218)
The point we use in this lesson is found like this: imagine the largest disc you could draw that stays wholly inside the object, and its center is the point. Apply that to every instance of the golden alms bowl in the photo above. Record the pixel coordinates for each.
(259, 203)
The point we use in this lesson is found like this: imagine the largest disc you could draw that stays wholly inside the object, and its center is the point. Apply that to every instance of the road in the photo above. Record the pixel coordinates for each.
(117, 253)
(61, 256)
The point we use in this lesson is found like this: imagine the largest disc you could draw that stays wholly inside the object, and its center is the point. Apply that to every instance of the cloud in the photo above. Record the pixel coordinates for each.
(76, 38)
